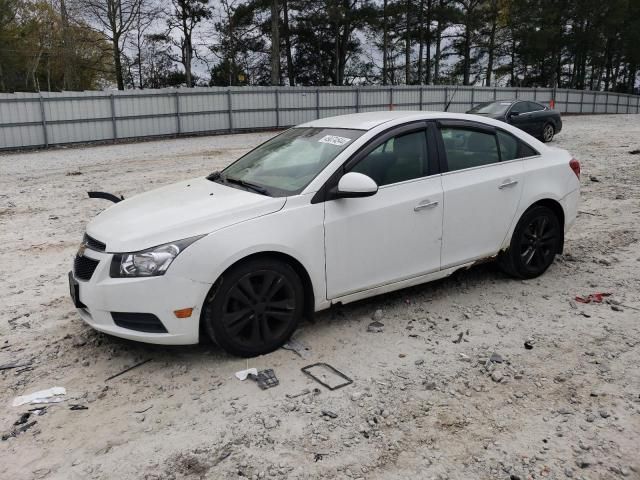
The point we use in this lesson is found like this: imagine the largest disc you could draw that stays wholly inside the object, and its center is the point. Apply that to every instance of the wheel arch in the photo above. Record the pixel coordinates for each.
(555, 207)
(307, 284)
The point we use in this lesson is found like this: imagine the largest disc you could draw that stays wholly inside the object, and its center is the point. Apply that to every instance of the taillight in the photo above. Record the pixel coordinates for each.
(575, 166)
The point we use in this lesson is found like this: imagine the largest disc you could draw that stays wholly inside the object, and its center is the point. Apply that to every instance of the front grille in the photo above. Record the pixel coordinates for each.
(94, 244)
(140, 322)
(83, 267)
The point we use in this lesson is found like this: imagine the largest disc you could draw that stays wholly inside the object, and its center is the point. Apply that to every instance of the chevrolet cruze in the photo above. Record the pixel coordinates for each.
(331, 211)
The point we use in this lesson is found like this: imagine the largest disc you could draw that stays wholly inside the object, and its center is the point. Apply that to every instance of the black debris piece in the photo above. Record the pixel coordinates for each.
(265, 378)
(128, 369)
(315, 371)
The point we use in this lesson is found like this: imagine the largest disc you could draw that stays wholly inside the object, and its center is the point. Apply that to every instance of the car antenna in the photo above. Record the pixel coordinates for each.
(446, 107)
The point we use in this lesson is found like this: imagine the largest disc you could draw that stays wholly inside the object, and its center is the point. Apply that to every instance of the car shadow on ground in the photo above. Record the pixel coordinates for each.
(444, 290)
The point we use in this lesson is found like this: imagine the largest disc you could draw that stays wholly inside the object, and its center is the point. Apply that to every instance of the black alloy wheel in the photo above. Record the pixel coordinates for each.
(535, 243)
(255, 308)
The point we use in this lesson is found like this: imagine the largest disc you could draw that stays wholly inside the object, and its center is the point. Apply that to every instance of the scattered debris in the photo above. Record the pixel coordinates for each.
(73, 174)
(319, 456)
(23, 418)
(459, 339)
(128, 369)
(265, 378)
(496, 358)
(144, 409)
(298, 347)
(591, 213)
(77, 406)
(51, 395)
(321, 377)
(8, 366)
(528, 345)
(593, 297)
(329, 413)
(19, 430)
(593, 178)
(375, 327)
(634, 152)
(306, 391)
(243, 374)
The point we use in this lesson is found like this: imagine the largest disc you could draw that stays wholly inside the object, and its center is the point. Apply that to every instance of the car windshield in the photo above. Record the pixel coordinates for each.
(286, 164)
(491, 108)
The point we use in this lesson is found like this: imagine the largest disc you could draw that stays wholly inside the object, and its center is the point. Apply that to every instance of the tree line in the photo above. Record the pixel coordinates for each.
(92, 44)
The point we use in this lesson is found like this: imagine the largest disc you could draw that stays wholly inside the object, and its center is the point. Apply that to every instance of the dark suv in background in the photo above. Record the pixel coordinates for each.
(532, 117)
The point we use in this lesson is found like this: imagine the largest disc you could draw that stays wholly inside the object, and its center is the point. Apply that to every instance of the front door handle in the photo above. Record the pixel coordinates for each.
(425, 205)
(507, 183)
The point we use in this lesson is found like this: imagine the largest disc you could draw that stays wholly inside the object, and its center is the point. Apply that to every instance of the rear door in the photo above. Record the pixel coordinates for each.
(481, 192)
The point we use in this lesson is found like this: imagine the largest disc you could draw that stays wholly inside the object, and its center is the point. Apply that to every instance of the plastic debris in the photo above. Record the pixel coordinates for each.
(243, 374)
(265, 378)
(593, 298)
(51, 395)
(298, 347)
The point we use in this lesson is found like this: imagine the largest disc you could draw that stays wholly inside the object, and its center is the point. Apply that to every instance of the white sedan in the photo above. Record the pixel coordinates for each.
(331, 211)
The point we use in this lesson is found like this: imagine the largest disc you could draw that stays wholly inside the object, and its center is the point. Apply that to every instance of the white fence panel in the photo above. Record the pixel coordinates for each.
(35, 120)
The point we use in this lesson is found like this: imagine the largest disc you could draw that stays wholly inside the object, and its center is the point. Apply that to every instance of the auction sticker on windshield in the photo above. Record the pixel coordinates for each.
(334, 140)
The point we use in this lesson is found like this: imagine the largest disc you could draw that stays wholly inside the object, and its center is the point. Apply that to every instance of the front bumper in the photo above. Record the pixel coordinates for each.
(161, 296)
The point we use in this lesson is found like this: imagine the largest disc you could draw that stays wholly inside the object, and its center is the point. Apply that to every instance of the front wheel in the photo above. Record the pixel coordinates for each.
(548, 132)
(534, 244)
(255, 307)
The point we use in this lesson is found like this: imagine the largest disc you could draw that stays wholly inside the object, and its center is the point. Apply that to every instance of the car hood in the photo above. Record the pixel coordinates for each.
(182, 210)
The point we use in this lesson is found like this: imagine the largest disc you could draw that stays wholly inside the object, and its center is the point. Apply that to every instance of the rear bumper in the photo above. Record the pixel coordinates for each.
(159, 296)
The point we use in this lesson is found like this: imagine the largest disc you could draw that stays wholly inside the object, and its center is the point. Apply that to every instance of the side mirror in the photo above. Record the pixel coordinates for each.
(355, 185)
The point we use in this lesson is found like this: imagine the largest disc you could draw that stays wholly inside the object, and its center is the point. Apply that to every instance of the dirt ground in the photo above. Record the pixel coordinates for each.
(425, 401)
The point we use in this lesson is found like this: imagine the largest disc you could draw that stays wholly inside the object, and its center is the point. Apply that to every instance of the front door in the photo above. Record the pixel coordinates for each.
(396, 233)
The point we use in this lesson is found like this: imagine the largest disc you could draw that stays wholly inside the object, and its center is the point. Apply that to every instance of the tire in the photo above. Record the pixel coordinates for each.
(548, 131)
(536, 240)
(254, 307)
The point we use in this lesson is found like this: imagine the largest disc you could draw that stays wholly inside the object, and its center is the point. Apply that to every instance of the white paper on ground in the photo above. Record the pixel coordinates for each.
(243, 374)
(51, 395)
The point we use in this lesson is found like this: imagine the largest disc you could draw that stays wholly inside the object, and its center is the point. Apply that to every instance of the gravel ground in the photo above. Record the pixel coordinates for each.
(447, 389)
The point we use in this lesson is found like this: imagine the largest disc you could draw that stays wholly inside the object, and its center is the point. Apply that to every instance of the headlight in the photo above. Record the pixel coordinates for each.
(148, 263)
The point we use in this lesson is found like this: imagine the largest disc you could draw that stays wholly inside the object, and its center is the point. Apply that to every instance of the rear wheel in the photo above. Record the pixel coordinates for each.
(255, 307)
(534, 244)
(548, 132)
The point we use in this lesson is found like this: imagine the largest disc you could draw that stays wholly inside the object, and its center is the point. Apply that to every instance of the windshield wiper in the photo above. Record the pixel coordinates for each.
(247, 185)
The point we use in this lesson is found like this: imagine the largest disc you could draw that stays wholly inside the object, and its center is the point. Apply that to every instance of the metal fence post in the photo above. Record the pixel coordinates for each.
(390, 98)
(446, 98)
(114, 126)
(495, 93)
(606, 103)
(617, 102)
(230, 105)
(473, 91)
(357, 100)
(421, 97)
(595, 97)
(277, 92)
(317, 103)
(43, 118)
(581, 100)
(535, 93)
(178, 128)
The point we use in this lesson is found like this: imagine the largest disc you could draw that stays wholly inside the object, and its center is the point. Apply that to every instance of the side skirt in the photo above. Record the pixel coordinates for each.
(391, 287)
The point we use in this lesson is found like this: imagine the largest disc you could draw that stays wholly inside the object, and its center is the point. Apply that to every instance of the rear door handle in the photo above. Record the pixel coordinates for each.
(507, 183)
(424, 205)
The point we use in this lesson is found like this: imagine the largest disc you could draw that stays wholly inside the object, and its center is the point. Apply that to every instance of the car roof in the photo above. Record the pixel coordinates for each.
(370, 120)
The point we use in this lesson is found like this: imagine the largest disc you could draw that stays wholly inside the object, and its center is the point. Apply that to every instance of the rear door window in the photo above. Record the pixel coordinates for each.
(468, 148)
(511, 148)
